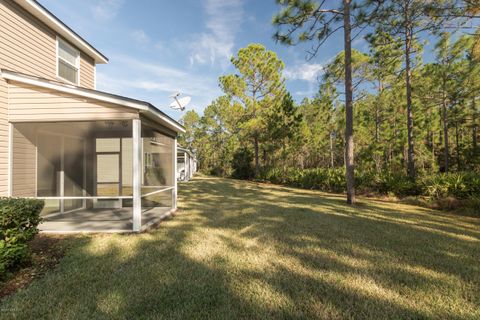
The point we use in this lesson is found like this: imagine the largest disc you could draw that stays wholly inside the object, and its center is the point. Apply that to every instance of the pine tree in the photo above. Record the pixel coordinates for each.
(408, 19)
(307, 20)
(258, 86)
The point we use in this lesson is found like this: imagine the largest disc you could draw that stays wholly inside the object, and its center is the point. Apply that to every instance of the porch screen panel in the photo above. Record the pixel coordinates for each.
(157, 160)
(63, 163)
(67, 159)
(157, 173)
(74, 181)
(49, 169)
(48, 165)
(161, 199)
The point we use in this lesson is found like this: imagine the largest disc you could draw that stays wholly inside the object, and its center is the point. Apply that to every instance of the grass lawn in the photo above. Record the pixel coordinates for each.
(253, 251)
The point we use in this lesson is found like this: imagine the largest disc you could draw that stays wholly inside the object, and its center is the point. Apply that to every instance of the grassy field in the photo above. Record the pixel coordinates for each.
(253, 251)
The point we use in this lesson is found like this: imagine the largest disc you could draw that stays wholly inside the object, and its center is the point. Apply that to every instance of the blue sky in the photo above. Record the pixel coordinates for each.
(158, 47)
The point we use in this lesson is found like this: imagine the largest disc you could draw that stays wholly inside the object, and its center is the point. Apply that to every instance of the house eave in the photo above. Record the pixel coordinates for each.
(142, 106)
(48, 18)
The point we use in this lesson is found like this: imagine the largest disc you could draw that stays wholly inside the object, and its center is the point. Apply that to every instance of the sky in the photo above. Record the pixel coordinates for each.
(158, 47)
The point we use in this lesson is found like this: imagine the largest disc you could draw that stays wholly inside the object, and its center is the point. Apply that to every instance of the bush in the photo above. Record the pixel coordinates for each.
(19, 219)
(443, 191)
(397, 184)
(462, 185)
(332, 180)
(242, 164)
(473, 203)
(456, 185)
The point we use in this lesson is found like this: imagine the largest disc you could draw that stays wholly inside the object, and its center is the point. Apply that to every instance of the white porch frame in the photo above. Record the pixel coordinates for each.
(174, 173)
(137, 174)
(10, 159)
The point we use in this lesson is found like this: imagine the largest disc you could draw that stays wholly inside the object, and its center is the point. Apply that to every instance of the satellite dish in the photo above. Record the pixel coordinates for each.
(179, 103)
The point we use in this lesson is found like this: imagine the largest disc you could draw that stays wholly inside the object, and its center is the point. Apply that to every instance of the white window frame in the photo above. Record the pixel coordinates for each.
(77, 61)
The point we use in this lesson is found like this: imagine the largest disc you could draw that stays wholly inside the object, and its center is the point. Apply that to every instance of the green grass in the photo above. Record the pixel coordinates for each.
(253, 251)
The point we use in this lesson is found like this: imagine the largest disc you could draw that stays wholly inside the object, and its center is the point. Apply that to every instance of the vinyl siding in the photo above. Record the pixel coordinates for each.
(28, 46)
(32, 104)
(24, 164)
(87, 72)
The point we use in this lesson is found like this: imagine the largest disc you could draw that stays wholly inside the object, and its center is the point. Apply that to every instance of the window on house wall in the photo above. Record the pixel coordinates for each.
(68, 62)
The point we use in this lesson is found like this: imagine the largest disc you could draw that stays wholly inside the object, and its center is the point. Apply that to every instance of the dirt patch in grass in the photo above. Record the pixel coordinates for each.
(47, 250)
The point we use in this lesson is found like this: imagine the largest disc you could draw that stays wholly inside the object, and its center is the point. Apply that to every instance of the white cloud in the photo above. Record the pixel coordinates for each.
(224, 18)
(304, 71)
(107, 9)
(140, 36)
(305, 93)
(149, 67)
(359, 42)
(155, 82)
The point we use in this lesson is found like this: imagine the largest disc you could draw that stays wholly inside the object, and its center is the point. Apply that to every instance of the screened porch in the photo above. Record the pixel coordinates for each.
(100, 176)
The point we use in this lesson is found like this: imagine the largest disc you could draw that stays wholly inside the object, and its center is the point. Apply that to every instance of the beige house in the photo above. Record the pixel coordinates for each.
(101, 162)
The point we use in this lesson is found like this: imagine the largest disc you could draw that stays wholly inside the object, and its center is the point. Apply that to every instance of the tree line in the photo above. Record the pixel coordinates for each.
(382, 110)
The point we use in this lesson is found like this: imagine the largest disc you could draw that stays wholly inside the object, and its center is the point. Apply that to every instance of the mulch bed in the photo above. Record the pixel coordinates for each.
(47, 250)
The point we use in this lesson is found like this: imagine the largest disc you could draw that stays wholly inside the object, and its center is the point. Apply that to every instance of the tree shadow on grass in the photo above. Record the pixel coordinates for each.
(238, 250)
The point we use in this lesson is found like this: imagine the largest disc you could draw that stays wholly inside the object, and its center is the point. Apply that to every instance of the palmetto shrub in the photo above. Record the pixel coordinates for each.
(332, 180)
(394, 183)
(438, 186)
(462, 185)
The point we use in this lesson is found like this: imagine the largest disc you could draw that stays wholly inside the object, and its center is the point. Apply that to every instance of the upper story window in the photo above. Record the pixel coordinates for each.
(68, 62)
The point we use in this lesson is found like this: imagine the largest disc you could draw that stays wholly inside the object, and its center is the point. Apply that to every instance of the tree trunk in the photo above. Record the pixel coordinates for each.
(349, 155)
(474, 126)
(408, 85)
(446, 150)
(377, 111)
(332, 164)
(257, 165)
(377, 124)
(433, 150)
(393, 145)
(457, 146)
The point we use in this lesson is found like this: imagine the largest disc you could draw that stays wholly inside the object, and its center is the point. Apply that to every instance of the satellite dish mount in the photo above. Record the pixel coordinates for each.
(179, 103)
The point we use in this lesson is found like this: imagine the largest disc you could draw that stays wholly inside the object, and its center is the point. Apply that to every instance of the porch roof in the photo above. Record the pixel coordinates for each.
(143, 107)
(182, 149)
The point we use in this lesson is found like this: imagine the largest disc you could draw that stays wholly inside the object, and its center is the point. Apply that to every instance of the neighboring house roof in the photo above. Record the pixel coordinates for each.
(143, 106)
(179, 148)
(42, 14)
